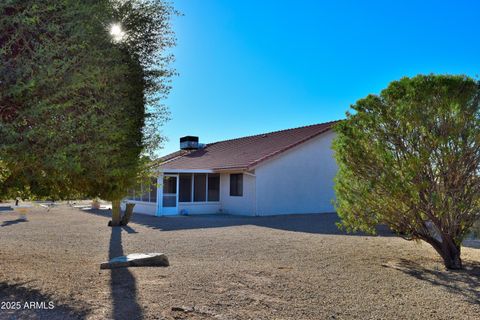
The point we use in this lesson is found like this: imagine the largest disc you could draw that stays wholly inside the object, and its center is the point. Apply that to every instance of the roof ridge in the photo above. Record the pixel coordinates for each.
(277, 131)
(283, 140)
(288, 147)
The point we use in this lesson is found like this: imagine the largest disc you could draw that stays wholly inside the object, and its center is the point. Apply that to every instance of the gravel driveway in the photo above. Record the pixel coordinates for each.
(224, 267)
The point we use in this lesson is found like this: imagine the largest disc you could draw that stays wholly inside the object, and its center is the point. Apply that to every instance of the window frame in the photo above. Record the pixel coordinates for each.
(180, 187)
(192, 190)
(236, 187)
(196, 195)
(213, 175)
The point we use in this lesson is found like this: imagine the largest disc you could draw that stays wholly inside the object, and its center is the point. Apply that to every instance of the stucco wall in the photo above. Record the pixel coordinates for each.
(244, 205)
(149, 208)
(299, 181)
(199, 207)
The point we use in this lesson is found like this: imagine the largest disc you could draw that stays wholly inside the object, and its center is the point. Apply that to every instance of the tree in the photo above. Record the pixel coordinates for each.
(80, 103)
(142, 33)
(410, 158)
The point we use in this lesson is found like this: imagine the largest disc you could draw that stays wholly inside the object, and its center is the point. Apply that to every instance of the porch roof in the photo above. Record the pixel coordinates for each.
(241, 153)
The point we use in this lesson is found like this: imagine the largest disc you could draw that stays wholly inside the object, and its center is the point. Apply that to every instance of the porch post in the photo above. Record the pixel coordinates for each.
(159, 194)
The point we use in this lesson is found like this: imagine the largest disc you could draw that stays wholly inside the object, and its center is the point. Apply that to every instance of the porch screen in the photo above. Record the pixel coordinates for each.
(199, 187)
(138, 193)
(199, 190)
(169, 191)
(153, 190)
(185, 184)
(145, 197)
(213, 187)
(144, 192)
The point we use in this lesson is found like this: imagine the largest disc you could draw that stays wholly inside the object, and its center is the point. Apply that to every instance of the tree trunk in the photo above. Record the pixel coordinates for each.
(450, 253)
(116, 213)
(128, 214)
(447, 249)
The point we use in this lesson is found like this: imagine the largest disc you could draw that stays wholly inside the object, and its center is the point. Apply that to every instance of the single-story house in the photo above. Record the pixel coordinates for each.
(284, 172)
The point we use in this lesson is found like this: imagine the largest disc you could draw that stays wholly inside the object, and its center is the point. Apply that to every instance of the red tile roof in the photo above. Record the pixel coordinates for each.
(242, 153)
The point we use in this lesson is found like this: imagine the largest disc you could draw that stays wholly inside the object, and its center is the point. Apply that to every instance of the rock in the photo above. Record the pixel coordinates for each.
(137, 260)
(183, 309)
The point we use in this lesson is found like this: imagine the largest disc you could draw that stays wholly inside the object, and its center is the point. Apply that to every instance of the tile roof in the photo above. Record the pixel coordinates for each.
(242, 153)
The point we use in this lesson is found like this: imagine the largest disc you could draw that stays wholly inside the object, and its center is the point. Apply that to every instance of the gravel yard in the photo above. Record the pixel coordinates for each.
(224, 267)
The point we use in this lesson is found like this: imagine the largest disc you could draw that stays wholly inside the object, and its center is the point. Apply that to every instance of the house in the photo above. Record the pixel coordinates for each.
(283, 172)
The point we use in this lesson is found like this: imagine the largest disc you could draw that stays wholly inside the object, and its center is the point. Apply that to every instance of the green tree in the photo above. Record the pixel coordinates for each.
(410, 158)
(80, 90)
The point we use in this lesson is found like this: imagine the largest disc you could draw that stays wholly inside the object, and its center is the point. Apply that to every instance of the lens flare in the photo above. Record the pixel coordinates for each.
(117, 32)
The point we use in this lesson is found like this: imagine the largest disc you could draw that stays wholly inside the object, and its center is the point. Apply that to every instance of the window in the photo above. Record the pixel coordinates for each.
(199, 187)
(185, 188)
(213, 187)
(236, 185)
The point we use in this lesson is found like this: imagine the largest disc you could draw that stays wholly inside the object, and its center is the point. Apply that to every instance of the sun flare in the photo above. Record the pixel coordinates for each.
(116, 31)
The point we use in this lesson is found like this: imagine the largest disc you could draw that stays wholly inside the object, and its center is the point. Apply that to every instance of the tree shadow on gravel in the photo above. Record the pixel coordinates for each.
(12, 222)
(464, 282)
(129, 229)
(122, 283)
(35, 305)
(321, 223)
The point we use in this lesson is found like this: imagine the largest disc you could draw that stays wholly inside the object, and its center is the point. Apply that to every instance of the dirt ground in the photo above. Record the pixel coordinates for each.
(223, 267)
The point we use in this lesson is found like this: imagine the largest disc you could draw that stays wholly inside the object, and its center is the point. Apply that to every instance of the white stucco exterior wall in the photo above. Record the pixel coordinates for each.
(199, 207)
(244, 205)
(299, 180)
(149, 208)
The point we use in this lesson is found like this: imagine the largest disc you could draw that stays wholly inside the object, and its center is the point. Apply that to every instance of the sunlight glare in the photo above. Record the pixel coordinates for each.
(117, 32)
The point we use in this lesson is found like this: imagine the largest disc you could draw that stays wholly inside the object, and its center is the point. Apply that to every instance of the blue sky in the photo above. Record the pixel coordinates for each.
(248, 67)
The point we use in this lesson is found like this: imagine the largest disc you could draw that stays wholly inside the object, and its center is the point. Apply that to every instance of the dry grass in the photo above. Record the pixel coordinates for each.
(293, 267)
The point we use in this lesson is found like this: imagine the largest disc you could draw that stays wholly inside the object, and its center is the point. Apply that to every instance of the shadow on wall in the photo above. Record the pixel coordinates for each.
(323, 223)
(20, 292)
(463, 282)
(122, 282)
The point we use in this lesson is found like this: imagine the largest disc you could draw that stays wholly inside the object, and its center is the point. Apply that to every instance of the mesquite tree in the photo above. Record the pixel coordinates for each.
(410, 158)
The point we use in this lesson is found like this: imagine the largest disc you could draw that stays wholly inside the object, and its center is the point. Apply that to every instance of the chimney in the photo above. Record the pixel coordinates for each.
(189, 143)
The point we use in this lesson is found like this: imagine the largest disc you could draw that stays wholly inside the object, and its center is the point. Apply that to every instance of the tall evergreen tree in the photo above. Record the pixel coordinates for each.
(80, 91)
